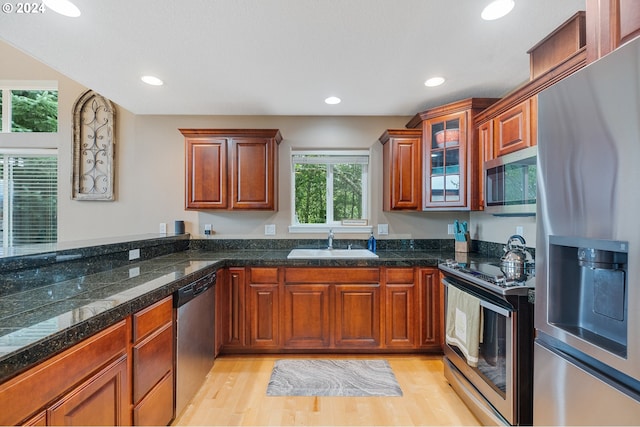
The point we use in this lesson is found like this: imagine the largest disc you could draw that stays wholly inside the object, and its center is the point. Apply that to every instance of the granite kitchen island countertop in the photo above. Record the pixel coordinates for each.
(64, 309)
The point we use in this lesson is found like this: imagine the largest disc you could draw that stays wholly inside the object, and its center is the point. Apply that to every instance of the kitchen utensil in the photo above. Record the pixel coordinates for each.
(516, 263)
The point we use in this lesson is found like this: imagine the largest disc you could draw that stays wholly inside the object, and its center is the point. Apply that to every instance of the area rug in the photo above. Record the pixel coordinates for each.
(332, 377)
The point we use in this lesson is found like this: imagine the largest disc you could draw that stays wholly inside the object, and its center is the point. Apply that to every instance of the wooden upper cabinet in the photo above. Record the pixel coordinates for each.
(450, 155)
(206, 173)
(515, 129)
(232, 169)
(401, 169)
(610, 24)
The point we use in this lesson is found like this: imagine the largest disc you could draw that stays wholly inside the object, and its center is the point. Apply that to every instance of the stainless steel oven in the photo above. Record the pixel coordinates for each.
(495, 377)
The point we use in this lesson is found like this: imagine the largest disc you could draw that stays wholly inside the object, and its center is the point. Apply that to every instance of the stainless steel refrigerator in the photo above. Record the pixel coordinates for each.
(587, 312)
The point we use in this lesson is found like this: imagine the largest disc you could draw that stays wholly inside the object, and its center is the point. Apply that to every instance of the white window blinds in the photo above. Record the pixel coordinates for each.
(29, 193)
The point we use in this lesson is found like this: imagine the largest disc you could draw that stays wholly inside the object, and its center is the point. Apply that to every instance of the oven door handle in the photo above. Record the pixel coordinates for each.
(502, 311)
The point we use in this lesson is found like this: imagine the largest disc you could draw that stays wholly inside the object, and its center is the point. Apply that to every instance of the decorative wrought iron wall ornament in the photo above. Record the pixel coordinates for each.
(93, 147)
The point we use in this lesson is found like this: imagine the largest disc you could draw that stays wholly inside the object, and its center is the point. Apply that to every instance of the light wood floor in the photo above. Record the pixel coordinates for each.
(235, 394)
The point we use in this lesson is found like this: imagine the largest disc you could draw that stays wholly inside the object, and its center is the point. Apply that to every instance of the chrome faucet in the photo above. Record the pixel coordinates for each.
(330, 240)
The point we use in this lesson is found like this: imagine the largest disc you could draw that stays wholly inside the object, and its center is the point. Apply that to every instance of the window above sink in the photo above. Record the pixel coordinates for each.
(328, 187)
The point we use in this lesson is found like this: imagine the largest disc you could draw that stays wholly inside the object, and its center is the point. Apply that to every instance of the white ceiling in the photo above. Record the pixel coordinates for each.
(284, 57)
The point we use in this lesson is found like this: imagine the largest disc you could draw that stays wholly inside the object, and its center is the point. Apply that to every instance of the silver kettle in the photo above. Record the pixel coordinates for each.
(516, 263)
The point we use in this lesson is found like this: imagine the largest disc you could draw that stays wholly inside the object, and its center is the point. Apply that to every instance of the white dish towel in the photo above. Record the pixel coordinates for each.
(463, 323)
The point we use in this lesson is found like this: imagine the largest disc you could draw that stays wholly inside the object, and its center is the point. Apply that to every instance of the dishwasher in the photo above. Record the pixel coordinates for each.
(195, 337)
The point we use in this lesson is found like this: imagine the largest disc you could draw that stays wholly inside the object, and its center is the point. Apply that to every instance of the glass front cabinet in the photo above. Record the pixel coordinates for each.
(444, 176)
(450, 155)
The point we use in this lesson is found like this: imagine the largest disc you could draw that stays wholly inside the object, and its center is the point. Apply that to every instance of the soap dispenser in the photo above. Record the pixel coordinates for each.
(371, 244)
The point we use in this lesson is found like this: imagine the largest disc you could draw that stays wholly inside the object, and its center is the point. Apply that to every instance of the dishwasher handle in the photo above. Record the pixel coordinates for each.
(193, 289)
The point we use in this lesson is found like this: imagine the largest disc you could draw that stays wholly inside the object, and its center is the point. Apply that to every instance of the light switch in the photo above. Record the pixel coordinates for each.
(383, 229)
(270, 230)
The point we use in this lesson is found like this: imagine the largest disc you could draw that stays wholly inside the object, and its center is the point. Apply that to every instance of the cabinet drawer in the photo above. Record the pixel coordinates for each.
(152, 359)
(263, 275)
(332, 275)
(156, 409)
(151, 318)
(399, 276)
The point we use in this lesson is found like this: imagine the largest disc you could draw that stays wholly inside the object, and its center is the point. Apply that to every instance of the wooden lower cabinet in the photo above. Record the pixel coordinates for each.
(230, 308)
(101, 400)
(306, 318)
(430, 309)
(152, 364)
(122, 375)
(87, 384)
(264, 307)
(357, 315)
(400, 308)
(332, 308)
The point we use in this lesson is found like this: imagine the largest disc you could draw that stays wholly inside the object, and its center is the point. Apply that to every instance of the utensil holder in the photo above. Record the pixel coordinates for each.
(463, 245)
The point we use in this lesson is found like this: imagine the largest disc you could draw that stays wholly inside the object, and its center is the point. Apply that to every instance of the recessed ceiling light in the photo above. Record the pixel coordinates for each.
(434, 81)
(332, 100)
(152, 80)
(63, 7)
(497, 9)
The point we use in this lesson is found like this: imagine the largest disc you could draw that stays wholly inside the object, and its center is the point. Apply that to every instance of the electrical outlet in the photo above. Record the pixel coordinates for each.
(270, 230)
(450, 229)
(207, 229)
(134, 254)
(163, 228)
(383, 229)
(519, 230)
(134, 272)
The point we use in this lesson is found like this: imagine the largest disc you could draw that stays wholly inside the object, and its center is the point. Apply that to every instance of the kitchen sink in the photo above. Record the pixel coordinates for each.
(330, 253)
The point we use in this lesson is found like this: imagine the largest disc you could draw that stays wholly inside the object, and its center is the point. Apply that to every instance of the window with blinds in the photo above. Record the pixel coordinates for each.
(29, 197)
(329, 186)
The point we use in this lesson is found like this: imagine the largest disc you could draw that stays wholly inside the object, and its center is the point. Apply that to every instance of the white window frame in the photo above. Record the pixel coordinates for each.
(6, 86)
(26, 143)
(335, 226)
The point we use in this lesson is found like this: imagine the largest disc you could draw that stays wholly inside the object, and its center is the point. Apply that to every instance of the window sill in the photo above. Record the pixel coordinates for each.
(323, 228)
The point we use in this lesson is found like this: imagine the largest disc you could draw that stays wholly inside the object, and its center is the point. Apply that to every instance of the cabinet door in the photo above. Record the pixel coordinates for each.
(253, 165)
(232, 308)
(401, 169)
(206, 169)
(357, 316)
(264, 314)
(430, 322)
(513, 129)
(306, 316)
(101, 400)
(445, 161)
(400, 323)
(263, 307)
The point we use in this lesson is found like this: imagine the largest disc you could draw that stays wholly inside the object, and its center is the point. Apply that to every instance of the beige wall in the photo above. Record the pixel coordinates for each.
(149, 180)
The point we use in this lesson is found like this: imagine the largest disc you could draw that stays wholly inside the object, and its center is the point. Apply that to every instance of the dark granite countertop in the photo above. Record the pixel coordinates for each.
(40, 322)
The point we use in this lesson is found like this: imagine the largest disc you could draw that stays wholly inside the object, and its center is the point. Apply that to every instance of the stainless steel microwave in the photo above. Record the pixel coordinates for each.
(511, 184)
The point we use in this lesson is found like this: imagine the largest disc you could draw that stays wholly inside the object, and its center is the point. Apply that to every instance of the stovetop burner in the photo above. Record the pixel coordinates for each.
(488, 275)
